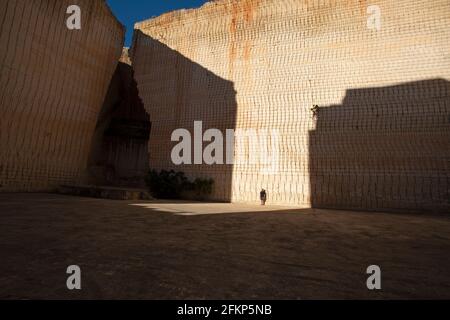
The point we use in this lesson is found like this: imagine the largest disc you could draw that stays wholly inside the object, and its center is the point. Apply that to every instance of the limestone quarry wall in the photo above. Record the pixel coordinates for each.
(119, 151)
(378, 137)
(52, 85)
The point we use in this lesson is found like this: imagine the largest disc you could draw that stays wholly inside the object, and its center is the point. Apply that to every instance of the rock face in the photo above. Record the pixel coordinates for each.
(355, 117)
(52, 85)
(119, 153)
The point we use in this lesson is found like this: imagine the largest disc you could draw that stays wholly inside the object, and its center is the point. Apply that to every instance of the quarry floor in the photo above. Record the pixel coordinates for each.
(169, 250)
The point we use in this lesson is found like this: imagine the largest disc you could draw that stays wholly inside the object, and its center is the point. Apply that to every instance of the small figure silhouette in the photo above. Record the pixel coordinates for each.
(263, 197)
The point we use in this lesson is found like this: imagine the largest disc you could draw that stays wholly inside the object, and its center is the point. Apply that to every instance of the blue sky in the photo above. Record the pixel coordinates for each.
(131, 11)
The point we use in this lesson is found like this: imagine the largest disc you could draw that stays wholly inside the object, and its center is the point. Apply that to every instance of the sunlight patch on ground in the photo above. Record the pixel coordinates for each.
(203, 208)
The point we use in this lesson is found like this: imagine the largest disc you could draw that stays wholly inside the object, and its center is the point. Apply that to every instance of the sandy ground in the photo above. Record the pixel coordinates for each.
(163, 250)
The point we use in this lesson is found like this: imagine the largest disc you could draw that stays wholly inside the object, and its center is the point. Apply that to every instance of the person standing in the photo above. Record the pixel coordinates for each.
(263, 197)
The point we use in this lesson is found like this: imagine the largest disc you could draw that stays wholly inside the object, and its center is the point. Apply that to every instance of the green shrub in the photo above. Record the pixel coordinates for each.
(175, 185)
(166, 184)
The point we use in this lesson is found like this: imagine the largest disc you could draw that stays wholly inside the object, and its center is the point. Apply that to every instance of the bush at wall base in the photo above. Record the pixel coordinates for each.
(174, 185)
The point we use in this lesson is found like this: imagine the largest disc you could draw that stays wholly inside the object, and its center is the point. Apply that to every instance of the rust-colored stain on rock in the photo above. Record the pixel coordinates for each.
(241, 12)
(363, 6)
(247, 50)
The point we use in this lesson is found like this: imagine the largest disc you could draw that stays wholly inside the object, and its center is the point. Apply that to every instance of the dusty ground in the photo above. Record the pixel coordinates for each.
(136, 250)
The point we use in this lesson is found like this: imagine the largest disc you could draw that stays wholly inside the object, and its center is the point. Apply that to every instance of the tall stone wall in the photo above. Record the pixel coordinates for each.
(360, 116)
(119, 154)
(52, 85)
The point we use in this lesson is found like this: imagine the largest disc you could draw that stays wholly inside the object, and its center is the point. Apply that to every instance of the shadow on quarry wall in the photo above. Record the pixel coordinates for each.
(383, 148)
(176, 92)
(119, 153)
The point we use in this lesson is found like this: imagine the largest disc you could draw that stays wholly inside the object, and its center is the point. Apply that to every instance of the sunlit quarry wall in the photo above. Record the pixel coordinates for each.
(379, 136)
(52, 85)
